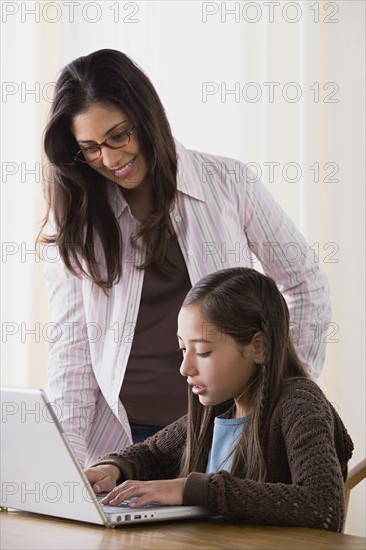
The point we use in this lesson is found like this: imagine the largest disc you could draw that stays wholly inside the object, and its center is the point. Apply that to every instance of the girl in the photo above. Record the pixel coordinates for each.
(136, 220)
(260, 443)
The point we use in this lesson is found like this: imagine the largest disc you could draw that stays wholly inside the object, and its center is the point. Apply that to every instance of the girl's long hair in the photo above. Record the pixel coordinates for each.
(77, 195)
(240, 302)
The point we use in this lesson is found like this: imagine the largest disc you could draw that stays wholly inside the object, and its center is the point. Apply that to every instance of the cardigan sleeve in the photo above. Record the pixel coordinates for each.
(158, 457)
(315, 496)
(286, 257)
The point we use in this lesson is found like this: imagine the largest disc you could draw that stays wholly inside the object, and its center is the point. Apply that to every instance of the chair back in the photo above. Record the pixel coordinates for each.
(355, 475)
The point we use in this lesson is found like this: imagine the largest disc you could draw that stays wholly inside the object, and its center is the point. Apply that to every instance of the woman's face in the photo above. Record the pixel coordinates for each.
(125, 166)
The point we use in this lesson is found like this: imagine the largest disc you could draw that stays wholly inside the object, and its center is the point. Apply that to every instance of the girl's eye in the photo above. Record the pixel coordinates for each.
(206, 354)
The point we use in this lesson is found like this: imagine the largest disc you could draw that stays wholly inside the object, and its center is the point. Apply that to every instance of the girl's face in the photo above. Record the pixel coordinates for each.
(216, 366)
(126, 166)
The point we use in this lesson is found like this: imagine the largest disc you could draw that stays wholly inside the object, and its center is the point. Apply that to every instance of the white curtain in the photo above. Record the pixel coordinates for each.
(280, 85)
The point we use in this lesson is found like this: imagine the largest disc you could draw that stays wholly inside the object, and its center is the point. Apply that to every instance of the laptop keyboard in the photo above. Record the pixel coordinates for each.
(123, 506)
(111, 509)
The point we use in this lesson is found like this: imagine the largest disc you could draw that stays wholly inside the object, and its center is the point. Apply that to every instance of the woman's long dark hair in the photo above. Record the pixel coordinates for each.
(241, 302)
(77, 195)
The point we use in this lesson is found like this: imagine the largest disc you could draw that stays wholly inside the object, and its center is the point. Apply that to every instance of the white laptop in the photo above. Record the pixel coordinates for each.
(40, 472)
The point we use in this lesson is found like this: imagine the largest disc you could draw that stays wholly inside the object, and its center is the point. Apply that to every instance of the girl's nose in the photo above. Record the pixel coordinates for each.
(188, 367)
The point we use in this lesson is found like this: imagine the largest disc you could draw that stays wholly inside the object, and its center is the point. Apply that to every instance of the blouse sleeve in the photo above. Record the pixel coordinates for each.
(71, 383)
(286, 257)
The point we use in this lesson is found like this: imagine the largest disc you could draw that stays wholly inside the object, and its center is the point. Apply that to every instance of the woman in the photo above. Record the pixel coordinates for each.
(137, 219)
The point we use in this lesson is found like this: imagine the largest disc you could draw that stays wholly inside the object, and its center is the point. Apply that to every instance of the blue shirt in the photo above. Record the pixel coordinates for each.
(227, 431)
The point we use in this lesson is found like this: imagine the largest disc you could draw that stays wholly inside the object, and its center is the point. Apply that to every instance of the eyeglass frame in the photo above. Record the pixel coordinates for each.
(105, 144)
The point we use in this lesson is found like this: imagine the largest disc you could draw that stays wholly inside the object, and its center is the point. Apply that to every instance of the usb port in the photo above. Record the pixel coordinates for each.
(137, 517)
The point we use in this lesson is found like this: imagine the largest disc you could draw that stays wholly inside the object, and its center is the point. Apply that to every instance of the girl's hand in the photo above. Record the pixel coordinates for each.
(103, 478)
(167, 491)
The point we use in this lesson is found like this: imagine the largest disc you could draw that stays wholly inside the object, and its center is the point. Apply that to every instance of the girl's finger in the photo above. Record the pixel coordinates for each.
(118, 495)
(102, 485)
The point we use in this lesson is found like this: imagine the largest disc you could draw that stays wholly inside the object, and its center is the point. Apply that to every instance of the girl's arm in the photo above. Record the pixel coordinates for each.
(158, 457)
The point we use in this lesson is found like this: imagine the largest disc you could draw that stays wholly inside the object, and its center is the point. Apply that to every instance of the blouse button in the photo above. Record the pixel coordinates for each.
(177, 218)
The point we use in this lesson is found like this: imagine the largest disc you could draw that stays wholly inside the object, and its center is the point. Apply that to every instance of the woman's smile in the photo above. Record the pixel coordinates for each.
(125, 170)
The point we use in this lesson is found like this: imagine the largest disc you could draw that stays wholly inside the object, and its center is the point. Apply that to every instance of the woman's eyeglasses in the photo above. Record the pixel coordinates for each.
(93, 152)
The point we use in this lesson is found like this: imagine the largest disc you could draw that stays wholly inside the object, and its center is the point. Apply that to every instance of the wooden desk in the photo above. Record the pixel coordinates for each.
(20, 530)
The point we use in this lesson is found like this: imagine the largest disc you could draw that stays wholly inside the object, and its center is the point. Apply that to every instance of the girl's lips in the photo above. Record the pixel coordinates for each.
(197, 390)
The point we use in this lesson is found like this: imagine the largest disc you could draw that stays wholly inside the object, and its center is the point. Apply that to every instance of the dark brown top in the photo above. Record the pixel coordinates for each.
(153, 392)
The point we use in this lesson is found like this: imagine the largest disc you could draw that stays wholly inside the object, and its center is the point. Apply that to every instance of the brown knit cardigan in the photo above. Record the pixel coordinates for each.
(306, 451)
